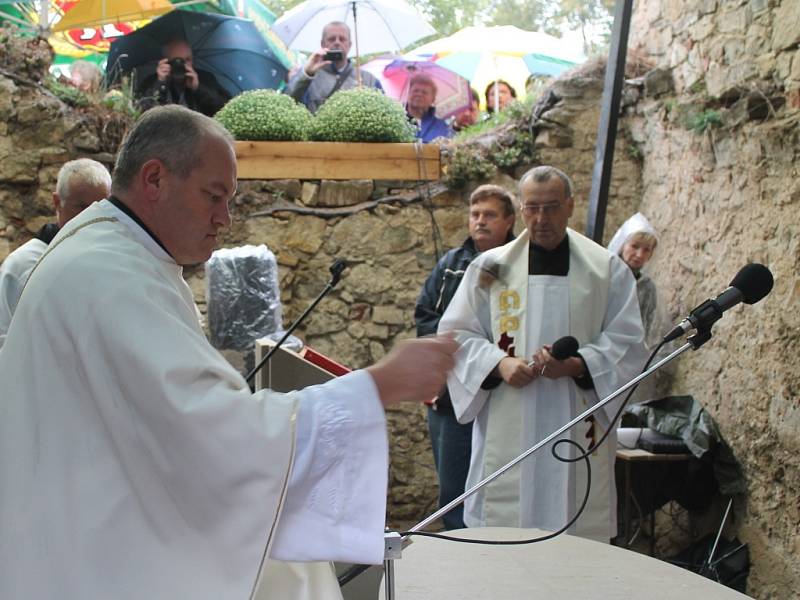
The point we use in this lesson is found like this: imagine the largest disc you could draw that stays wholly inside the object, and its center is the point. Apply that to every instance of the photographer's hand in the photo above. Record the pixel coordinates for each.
(163, 69)
(315, 62)
(192, 79)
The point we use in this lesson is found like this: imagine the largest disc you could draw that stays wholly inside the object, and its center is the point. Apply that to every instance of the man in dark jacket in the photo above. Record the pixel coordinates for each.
(177, 82)
(491, 224)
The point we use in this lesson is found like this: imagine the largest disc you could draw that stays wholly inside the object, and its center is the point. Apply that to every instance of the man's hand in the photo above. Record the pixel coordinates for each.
(315, 62)
(192, 79)
(415, 370)
(554, 369)
(163, 70)
(516, 372)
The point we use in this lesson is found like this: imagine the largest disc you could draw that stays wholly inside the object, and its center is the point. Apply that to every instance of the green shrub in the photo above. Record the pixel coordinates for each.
(362, 115)
(467, 163)
(265, 115)
(68, 94)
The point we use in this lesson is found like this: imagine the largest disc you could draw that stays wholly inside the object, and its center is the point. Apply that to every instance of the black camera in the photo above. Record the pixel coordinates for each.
(334, 55)
(177, 66)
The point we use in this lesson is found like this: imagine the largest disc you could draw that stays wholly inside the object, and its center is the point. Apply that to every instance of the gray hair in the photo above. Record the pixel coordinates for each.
(544, 173)
(82, 171)
(172, 134)
(337, 24)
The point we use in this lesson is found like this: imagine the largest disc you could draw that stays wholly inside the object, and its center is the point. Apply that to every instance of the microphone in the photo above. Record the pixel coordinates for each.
(564, 347)
(336, 270)
(751, 284)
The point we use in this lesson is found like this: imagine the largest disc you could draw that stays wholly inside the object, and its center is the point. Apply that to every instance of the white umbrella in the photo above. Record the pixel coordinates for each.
(376, 25)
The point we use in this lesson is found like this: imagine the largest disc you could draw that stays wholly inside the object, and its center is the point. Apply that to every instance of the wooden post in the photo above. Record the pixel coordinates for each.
(609, 116)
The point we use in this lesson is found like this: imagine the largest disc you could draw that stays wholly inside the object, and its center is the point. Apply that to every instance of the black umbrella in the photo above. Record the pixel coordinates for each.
(229, 48)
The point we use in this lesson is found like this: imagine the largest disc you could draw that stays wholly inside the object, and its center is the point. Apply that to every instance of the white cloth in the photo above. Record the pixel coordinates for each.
(636, 223)
(13, 274)
(604, 317)
(134, 460)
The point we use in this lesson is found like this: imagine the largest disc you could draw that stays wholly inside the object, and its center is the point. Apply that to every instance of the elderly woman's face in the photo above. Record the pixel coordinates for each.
(637, 252)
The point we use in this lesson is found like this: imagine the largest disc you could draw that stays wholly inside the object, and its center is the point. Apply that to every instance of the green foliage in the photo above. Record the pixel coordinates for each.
(698, 87)
(361, 115)
(468, 163)
(703, 120)
(121, 101)
(68, 94)
(265, 115)
(507, 157)
(635, 152)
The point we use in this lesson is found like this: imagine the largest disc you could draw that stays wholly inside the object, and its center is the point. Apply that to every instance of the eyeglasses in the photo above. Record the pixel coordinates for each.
(548, 209)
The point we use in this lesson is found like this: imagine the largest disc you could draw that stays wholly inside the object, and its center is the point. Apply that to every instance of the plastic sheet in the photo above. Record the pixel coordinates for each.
(243, 296)
(685, 417)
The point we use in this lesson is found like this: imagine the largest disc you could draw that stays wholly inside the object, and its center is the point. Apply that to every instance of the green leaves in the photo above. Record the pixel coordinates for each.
(361, 115)
(357, 115)
(265, 115)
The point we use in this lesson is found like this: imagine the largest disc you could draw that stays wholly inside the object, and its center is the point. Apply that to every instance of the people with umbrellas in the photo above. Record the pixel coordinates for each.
(177, 82)
(499, 94)
(328, 69)
(469, 116)
(421, 109)
(221, 49)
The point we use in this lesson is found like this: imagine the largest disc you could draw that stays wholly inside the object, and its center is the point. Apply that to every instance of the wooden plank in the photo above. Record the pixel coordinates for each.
(335, 160)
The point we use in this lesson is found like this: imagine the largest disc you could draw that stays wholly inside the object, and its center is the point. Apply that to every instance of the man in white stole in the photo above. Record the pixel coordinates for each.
(517, 393)
(134, 460)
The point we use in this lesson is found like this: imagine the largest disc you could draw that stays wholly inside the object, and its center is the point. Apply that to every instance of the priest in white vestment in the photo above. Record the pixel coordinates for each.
(135, 463)
(513, 304)
(80, 183)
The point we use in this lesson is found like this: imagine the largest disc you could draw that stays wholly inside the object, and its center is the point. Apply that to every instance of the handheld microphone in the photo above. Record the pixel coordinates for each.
(564, 347)
(751, 284)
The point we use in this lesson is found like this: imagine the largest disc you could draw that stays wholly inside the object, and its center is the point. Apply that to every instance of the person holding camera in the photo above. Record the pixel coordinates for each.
(328, 70)
(177, 82)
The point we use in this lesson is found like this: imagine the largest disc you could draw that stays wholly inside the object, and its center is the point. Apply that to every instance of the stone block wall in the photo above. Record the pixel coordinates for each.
(723, 189)
(39, 133)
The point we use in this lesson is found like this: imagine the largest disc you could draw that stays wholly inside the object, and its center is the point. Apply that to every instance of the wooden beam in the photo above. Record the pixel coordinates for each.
(335, 160)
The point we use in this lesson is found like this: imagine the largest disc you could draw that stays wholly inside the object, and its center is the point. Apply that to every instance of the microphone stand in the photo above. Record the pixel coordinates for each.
(336, 270)
(694, 342)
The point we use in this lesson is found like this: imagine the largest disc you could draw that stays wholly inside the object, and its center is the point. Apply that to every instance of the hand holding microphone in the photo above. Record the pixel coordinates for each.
(552, 361)
(559, 359)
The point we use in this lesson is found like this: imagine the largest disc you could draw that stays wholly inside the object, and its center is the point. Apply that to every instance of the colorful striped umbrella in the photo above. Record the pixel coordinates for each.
(486, 54)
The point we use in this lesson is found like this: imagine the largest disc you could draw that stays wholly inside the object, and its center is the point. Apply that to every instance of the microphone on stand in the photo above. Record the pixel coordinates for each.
(751, 284)
(335, 270)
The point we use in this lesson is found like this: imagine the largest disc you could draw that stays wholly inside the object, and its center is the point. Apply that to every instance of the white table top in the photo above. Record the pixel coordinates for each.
(564, 568)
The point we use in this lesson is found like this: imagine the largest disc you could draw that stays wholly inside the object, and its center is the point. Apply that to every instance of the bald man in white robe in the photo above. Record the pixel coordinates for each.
(134, 460)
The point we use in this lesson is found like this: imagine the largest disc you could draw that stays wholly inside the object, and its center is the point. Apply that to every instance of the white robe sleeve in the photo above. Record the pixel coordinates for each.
(617, 354)
(468, 316)
(335, 507)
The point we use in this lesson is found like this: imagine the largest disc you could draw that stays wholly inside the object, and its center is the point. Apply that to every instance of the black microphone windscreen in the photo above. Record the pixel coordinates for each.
(754, 281)
(564, 347)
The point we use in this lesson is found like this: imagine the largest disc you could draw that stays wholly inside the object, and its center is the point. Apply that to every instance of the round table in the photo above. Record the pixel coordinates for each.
(564, 568)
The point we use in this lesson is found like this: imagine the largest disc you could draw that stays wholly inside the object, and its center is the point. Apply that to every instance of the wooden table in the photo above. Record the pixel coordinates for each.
(564, 568)
(628, 457)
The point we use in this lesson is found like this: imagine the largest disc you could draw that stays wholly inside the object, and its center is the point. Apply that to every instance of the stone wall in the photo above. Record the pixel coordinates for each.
(708, 149)
(38, 133)
(720, 181)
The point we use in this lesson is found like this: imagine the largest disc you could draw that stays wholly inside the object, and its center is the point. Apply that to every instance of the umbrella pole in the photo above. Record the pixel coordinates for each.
(355, 28)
